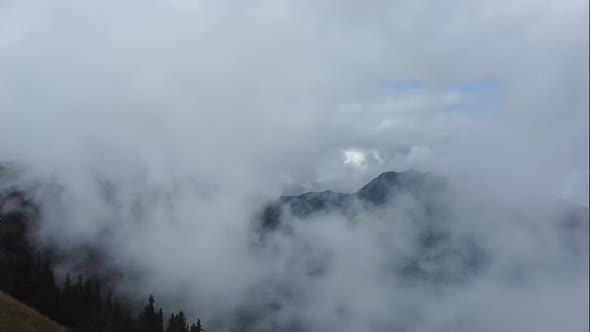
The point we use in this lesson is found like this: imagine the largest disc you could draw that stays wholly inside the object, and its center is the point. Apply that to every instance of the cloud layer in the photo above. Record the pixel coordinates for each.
(164, 125)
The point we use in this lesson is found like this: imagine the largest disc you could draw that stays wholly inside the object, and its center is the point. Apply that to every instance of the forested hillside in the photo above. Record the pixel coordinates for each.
(80, 303)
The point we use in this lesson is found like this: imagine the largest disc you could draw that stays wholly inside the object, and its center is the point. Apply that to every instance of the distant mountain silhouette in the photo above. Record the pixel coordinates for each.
(376, 193)
(440, 254)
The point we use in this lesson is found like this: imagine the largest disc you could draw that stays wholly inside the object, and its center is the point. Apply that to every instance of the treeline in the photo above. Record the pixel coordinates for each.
(81, 304)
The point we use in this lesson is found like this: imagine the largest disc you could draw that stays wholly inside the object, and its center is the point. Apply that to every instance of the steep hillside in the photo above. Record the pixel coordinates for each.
(17, 317)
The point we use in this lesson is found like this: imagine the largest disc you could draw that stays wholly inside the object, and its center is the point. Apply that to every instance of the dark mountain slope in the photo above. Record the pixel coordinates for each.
(440, 253)
(422, 186)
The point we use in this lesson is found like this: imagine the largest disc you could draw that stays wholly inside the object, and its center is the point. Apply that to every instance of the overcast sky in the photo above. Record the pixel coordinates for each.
(221, 105)
(281, 89)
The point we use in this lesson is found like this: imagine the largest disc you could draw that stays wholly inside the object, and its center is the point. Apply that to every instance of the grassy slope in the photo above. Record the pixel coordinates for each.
(17, 317)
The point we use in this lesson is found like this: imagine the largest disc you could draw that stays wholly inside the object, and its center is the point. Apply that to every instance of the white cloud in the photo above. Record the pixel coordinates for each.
(355, 158)
(196, 112)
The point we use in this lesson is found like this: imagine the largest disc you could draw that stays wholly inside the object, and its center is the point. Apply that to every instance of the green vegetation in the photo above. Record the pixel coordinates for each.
(83, 305)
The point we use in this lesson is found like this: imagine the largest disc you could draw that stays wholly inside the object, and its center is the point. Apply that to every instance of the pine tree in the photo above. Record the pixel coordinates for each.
(160, 320)
(171, 324)
(181, 322)
(197, 327)
(148, 320)
(47, 294)
(80, 284)
(67, 283)
(67, 302)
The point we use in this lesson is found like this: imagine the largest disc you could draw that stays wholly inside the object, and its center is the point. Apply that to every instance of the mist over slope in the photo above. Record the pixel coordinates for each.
(153, 133)
(404, 252)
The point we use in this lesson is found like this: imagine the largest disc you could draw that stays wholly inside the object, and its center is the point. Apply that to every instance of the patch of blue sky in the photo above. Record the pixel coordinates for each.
(404, 86)
(481, 97)
(478, 97)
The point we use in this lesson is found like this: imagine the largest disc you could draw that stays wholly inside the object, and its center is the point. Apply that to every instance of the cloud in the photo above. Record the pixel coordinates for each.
(355, 158)
(162, 126)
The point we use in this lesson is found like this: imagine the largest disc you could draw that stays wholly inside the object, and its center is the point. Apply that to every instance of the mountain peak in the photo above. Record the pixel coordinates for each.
(378, 190)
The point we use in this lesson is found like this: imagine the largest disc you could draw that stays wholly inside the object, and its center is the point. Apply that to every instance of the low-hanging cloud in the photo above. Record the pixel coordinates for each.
(154, 132)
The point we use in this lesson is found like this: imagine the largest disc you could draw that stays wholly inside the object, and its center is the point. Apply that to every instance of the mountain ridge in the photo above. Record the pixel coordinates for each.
(375, 193)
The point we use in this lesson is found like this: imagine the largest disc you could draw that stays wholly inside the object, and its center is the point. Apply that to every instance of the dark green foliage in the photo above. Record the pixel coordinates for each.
(178, 323)
(149, 320)
(181, 325)
(81, 305)
(160, 320)
(197, 327)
